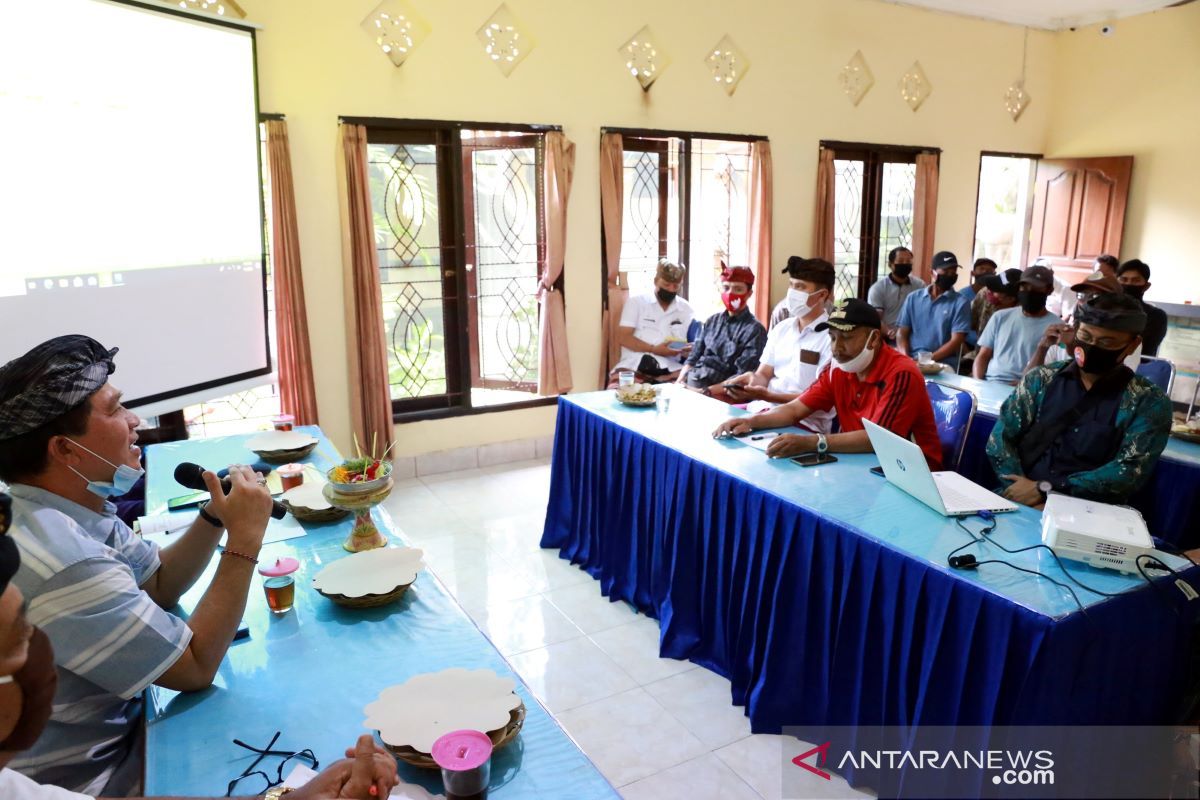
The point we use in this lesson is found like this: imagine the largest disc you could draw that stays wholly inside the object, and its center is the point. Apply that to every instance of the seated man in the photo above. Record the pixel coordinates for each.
(982, 269)
(1012, 334)
(653, 329)
(1058, 340)
(1065, 298)
(731, 341)
(937, 319)
(869, 381)
(888, 293)
(1000, 292)
(1088, 427)
(1134, 277)
(27, 684)
(96, 589)
(796, 351)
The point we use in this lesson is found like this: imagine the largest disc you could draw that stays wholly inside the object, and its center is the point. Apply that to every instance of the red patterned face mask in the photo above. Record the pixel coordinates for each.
(734, 302)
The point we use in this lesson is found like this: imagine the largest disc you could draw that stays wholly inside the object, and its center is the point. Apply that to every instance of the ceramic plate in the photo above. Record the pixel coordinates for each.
(416, 713)
(307, 495)
(280, 440)
(370, 572)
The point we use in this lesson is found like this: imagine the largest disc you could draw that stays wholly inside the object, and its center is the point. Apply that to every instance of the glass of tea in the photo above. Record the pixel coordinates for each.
(279, 585)
(465, 758)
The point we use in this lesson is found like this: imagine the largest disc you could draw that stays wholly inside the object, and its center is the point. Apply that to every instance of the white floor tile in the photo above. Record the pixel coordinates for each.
(526, 624)
(478, 585)
(634, 646)
(570, 674)
(701, 700)
(558, 571)
(445, 461)
(760, 761)
(505, 453)
(630, 736)
(704, 778)
(591, 611)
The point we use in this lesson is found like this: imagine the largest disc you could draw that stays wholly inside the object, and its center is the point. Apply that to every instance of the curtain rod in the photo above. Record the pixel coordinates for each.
(419, 124)
(655, 133)
(883, 148)
(268, 117)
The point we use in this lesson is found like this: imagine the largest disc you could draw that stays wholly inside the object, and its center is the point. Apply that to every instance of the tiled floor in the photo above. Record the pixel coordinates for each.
(657, 728)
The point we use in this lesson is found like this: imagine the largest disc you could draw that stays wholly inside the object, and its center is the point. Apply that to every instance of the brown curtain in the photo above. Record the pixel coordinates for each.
(760, 227)
(925, 214)
(297, 394)
(554, 362)
(611, 200)
(822, 243)
(370, 395)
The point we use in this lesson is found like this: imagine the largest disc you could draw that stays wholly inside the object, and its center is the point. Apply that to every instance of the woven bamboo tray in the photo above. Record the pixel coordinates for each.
(368, 600)
(286, 456)
(500, 737)
(331, 514)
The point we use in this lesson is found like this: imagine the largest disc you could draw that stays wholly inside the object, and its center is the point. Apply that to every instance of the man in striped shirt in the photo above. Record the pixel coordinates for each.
(98, 591)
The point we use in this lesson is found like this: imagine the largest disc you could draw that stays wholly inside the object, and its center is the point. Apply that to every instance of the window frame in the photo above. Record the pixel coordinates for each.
(1036, 158)
(453, 244)
(874, 157)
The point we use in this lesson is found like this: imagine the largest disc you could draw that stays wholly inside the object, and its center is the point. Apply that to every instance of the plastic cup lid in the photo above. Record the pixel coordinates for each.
(288, 469)
(459, 751)
(282, 566)
(285, 418)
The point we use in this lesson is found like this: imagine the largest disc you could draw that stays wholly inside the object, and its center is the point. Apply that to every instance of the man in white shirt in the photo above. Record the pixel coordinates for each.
(653, 329)
(28, 681)
(796, 351)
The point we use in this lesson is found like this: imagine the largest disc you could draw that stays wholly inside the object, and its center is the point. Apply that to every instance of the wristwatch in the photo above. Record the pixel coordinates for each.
(276, 792)
(1045, 487)
(822, 444)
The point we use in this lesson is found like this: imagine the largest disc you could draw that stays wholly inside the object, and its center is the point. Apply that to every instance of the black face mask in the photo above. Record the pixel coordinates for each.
(1096, 360)
(664, 296)
(1033, 302)
(902, 270)
(1136, 292)
(946, 282)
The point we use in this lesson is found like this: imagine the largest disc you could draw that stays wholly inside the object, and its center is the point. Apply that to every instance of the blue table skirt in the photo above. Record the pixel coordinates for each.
(817, 624)
(1170, 501)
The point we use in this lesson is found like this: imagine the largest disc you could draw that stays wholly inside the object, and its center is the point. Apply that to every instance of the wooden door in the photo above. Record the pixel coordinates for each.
(1079, 212)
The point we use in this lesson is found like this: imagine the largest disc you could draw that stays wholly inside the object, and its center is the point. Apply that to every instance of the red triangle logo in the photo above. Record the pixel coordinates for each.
(822, 752)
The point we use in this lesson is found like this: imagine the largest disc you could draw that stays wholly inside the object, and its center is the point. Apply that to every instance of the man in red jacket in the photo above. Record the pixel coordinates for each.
(866, 380)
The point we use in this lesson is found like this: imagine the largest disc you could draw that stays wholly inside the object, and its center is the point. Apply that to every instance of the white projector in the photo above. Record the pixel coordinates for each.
(1095, 533)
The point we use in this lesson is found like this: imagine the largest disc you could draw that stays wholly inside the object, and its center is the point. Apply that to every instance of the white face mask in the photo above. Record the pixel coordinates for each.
(861, 362)
(797, 302)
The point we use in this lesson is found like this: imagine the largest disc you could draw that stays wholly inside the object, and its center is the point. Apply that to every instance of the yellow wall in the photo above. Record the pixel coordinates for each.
(1137, 93)
(316, 64)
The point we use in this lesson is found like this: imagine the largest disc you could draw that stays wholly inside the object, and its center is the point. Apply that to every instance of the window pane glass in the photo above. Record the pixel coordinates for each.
(641, 234)
(506, 269)
(720, 207)
(404, 201)
(847, 225)
(896, 210)
(1005, 205)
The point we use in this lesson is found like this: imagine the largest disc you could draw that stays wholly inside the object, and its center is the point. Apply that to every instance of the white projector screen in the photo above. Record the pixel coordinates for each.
(130, 196)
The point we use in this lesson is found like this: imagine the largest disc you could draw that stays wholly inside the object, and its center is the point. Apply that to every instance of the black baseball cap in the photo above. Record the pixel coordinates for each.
(1007, 282)
(850, 314)
(945, 259)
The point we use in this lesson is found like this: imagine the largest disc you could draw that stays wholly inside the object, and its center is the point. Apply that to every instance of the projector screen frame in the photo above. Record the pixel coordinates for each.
(174, 400)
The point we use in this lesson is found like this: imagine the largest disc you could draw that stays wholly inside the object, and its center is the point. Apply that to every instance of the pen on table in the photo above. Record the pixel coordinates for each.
(763, 436)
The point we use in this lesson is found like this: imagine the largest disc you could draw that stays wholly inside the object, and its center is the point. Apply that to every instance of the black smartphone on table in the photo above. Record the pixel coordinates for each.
(877, 471)
(813, 459)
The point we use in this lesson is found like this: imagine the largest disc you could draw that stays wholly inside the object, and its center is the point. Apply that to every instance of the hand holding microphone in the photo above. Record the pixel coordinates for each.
(194, 476)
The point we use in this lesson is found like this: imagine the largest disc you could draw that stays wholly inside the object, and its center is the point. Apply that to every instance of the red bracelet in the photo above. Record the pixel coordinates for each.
(228, 552)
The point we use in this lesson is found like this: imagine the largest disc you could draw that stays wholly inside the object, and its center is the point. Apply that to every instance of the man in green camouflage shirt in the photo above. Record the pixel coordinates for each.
(1089, 427)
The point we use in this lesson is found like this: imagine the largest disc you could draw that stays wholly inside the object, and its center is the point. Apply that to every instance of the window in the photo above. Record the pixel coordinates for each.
(1004, 208)
(252, 409)
(685, 199)
(874, 188)
(459, 216)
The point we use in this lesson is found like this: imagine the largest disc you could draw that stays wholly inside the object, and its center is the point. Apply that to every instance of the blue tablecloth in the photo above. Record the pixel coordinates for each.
(310, 672)
(1170, 502)
(823, 593)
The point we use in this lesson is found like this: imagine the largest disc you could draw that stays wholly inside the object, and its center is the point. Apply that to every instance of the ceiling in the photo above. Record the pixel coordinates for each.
(1053, 15)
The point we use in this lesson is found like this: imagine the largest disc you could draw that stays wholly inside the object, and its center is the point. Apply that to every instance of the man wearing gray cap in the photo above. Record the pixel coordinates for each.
(653, 328)
(1012, 334)
(1088, 427)
(67, 446)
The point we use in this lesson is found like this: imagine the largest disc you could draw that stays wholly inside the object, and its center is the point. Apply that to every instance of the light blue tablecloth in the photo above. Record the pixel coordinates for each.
(310, 672)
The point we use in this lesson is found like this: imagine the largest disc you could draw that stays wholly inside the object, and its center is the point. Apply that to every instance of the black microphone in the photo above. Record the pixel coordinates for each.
(192, 476)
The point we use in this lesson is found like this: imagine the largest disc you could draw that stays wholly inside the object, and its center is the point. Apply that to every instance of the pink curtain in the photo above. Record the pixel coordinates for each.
(925, 214)
(370, 394)
(554, 362)
(611, 201)
(297, 394)
(760, 227)
(822, 243)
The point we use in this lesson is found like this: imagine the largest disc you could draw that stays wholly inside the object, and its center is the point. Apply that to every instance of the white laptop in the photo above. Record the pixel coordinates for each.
(949, 493)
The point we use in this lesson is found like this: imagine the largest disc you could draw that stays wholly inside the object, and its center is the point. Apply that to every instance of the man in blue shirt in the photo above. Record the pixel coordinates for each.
(984, 268)
(1012, 334)
(936, 319)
